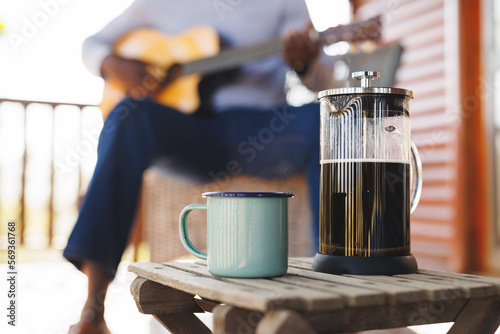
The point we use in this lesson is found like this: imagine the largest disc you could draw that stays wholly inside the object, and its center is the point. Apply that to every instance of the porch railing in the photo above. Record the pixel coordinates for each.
(30, 122)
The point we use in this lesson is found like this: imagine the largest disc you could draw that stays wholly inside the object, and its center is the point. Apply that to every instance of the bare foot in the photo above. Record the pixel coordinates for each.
(92, 318)
(86, 327)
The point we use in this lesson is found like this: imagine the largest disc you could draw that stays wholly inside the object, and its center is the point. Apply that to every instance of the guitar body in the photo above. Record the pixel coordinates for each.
(162, 50)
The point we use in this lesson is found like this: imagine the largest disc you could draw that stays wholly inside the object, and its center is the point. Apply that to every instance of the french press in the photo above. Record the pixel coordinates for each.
(367, 158)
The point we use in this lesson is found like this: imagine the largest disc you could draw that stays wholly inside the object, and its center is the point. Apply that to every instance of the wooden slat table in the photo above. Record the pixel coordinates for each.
(304, 301)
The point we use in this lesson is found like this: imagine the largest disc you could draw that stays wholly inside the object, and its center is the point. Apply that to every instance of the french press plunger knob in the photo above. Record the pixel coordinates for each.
(365, 77)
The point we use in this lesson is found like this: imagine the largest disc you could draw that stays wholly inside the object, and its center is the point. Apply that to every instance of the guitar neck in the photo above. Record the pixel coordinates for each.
(233, 58)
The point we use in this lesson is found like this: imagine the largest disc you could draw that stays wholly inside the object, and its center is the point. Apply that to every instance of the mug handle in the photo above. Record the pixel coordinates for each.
(417, 170)
(184, 232)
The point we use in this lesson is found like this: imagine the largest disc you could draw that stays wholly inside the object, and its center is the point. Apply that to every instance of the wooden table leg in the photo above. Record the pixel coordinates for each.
(172, 308)
(207, 305)
(481, 315)
(230, 320)
(182, 323)
(284, 322)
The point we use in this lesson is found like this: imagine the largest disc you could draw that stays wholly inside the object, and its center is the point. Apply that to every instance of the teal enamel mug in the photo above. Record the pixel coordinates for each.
(247, 233)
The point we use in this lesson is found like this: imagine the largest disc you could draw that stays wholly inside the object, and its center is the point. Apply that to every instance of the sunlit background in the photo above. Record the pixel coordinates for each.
(40, 60)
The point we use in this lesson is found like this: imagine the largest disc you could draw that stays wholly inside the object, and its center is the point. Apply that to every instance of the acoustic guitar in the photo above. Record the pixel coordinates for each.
(181, 61)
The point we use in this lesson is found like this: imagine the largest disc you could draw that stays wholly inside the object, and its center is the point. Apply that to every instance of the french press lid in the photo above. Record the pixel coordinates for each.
(365, 77)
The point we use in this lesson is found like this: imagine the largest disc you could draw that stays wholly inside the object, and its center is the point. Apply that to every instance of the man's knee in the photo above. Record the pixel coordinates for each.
(126, 111)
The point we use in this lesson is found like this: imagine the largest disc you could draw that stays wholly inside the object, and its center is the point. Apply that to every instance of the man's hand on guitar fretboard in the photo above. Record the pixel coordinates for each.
(299, 50)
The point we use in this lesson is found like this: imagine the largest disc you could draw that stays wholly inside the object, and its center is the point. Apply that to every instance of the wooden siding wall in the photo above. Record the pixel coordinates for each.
(428, 67)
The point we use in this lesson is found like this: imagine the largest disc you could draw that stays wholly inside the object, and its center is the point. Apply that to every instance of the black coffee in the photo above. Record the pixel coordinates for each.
(364, 208)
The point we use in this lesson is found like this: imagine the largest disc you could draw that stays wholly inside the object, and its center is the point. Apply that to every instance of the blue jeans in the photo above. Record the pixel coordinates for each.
(266, 143)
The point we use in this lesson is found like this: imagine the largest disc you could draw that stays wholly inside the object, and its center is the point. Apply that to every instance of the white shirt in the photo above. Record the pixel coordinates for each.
(239, 22)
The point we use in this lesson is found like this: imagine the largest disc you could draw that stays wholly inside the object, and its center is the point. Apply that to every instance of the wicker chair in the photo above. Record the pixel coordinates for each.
(164, 196)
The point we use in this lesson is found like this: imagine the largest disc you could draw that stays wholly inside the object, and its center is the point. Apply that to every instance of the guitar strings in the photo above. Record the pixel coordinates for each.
(232, 58)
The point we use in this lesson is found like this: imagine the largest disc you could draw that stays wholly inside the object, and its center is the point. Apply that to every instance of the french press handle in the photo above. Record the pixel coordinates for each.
(416, 177)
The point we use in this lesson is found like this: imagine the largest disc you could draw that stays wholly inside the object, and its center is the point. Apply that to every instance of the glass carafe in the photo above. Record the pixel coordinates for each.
(367, 158)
